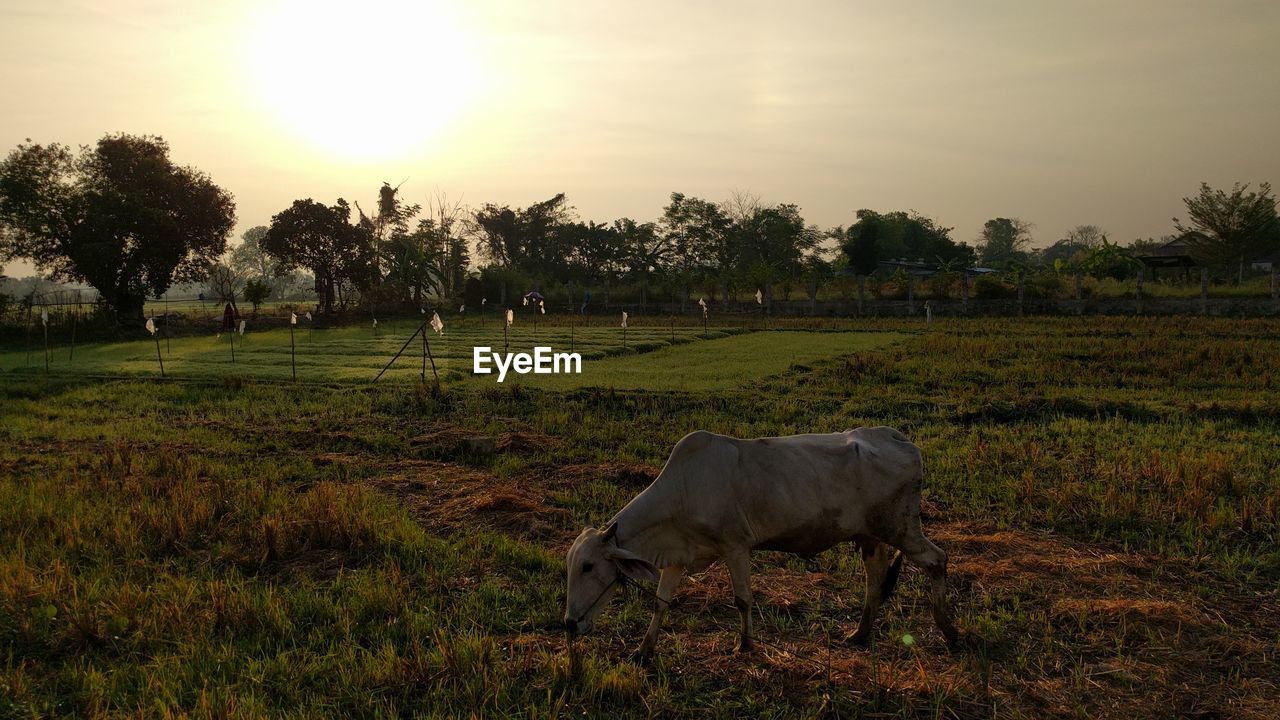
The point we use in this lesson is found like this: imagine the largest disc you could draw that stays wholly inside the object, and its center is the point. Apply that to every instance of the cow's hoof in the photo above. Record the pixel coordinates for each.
(745, 646)
(960, 642)
(859, 638)
(642, 656)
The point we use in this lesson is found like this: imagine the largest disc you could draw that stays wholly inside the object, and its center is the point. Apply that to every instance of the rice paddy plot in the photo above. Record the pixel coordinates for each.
(345, 354)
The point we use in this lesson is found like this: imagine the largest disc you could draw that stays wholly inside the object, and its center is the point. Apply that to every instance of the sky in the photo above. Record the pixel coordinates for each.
(1060, 113)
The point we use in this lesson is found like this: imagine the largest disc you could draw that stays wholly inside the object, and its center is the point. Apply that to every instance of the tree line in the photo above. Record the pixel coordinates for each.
(123, 218)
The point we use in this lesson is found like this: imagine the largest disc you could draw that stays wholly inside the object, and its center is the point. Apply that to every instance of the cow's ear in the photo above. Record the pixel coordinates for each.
(610, 531)
(632, 565)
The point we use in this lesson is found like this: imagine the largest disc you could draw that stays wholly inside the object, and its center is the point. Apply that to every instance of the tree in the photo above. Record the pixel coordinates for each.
(412, 263)
(862, 243)
(524, 239)
(1005, 242)
(1077, 243)
(256, 291)
(597, 252)
(120, 216)
(773, 241)
(697, 231)
(226, 284)
(898, 234)
(322, 239)
(645, 250)
(1224, 229)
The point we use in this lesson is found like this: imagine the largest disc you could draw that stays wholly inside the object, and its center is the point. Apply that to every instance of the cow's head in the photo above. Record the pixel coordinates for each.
(596, 568)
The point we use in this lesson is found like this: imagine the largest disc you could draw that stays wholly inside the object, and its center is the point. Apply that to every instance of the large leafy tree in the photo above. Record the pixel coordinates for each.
(900, 234)
(773, 241)
(1005, 242)
(526, 239)
(119, 215)
(646, 251)
(697, 231)
(322, 239)
(1231, 228)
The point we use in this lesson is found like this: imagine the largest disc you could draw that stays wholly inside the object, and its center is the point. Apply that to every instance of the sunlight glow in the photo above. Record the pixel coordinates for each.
(364, 82)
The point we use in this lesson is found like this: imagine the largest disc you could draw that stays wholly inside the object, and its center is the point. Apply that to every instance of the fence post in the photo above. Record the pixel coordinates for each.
(911, 294)
(1204, 291)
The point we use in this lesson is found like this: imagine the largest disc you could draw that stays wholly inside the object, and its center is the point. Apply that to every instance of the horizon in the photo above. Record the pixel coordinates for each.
(1061, 116)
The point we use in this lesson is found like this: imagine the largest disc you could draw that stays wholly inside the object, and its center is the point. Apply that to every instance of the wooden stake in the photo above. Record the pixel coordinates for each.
(27, 362)
(293, 354)
(401, 350)
(427, 344)
(158, 357)
(75, 315)
(46, 345)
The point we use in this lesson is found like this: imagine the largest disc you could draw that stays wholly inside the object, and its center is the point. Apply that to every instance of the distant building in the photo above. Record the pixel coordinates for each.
(1267, 263)
(1172, 255)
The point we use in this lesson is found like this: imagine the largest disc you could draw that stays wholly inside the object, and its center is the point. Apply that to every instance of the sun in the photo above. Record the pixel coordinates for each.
(363, 82)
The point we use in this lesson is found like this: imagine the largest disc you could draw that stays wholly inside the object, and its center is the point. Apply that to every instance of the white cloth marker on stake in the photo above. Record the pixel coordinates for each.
(437, 324)
(44, 317)
(242, 324)
(526, 301)
(759, 298)
(542, 307)
(462, 308)
(510, 317)
(703, 304)
(293, 318)
(624, 319)
(308, 316)
(151, 325)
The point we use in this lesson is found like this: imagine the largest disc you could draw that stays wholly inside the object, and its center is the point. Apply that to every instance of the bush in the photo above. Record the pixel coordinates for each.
(989, 287)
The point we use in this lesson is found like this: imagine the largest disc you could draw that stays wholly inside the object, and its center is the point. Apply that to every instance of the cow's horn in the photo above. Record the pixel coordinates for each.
(610, 531)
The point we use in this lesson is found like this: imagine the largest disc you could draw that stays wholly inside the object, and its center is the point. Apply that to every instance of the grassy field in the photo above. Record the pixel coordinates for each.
(651, 357)
(237, 546)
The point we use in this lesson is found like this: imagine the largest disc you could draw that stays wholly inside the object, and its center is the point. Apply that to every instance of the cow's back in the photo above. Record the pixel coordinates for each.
(800, 493)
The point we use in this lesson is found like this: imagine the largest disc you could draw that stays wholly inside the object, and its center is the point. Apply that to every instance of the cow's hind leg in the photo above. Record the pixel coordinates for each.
(740, 574)
(667, 583)
(882, 574)
(931, 558)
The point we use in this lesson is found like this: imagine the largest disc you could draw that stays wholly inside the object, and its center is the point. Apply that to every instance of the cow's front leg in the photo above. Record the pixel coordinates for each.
(667, 583)
(740, 574)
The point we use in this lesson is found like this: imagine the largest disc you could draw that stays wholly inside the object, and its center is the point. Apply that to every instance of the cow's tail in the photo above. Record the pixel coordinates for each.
(891, 578)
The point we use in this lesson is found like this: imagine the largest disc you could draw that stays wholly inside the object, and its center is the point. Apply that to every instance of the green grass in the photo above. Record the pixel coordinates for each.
(1106, 488)
(652, 357)
(705, 366)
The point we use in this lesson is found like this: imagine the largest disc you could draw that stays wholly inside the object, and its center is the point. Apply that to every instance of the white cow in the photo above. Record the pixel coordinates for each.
(719, 498)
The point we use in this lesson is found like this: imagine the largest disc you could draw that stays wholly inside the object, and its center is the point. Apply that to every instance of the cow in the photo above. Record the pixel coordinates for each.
(719, 498)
